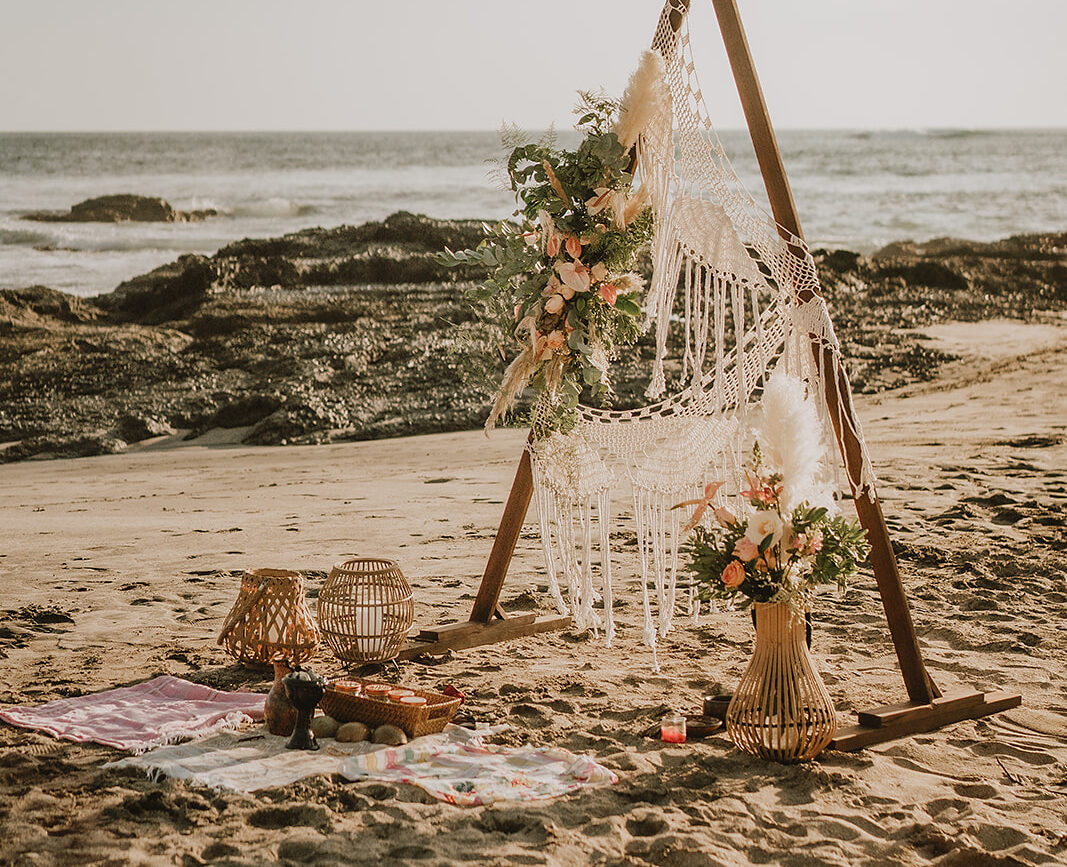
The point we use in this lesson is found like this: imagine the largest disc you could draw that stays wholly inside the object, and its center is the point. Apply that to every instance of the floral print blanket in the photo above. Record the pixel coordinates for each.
(456, 765)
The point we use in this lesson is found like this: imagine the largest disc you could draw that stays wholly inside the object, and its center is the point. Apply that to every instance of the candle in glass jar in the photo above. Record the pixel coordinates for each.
(377, 690)
(672, 729)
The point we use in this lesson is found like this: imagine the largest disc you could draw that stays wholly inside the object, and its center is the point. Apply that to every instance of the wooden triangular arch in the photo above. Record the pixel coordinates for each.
(927, 708)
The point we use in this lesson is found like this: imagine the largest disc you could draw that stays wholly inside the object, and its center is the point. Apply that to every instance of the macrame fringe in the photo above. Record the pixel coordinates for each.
(749, 305)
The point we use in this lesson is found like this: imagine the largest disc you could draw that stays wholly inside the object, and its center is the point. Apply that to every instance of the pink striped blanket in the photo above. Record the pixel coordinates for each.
(159, 711)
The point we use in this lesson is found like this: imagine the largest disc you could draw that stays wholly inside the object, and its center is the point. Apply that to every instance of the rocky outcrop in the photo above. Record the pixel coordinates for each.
(122, 208)
(356, 333)
(875, 301)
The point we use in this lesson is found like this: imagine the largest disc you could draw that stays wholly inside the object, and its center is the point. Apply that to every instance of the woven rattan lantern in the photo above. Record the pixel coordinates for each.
(366, 610)
(270, 618)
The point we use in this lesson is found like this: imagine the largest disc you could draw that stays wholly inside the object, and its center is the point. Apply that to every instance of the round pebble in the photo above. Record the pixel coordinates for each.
(390, 735)
(324, 726)
(352, 732)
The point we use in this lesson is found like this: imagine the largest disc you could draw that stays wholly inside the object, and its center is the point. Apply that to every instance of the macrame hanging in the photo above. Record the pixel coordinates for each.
(737, 296)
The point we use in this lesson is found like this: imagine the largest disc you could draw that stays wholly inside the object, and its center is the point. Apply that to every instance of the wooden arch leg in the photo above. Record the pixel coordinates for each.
(927, 708)
(482, 628)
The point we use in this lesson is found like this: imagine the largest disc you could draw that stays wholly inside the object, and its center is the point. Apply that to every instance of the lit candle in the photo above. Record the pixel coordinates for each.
(672, 730)
(370, 626)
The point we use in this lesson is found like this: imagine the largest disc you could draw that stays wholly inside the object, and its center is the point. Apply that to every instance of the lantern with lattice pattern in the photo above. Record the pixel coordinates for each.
(269, 619)
(365, 610)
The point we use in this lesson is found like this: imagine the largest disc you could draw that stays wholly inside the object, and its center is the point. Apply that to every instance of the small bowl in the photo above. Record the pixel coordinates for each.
(351, 686)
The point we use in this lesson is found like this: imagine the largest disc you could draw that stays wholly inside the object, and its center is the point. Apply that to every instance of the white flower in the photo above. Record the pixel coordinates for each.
(763, 524)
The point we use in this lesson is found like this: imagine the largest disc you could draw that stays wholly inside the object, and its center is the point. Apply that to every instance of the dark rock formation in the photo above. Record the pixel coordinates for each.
(875, 301)
(356, 333)
(122, 208)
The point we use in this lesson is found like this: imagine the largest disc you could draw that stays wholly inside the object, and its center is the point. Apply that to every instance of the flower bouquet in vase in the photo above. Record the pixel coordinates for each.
(770, 555)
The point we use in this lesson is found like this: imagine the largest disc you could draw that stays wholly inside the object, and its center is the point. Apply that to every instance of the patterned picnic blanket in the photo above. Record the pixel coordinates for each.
(468, 772)
(455, 765)
(139, 717)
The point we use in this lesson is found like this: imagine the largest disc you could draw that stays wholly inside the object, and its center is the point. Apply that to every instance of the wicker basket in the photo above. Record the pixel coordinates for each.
(348, 706)
(366, 610)
(270, 618)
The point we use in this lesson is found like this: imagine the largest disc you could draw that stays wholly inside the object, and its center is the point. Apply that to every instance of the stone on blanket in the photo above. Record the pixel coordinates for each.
(324, 727)
(352, 732)
(389, 735)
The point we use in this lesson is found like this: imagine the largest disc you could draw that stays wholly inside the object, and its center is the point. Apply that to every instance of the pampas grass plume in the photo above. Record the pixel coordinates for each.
(790, 439)
(645, 95)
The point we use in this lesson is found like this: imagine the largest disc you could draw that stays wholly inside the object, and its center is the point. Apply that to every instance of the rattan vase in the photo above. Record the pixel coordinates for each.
(270, 618)
(781, 709)
(365, 610)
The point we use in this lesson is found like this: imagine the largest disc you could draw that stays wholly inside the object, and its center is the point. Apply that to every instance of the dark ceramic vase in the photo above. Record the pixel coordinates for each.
(305, 689)
(278, 712)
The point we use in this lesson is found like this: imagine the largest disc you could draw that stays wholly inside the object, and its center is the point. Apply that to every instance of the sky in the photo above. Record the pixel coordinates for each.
(458, 64)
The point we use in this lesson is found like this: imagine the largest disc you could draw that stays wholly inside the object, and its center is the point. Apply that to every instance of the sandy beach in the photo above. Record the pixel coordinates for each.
(120, 567)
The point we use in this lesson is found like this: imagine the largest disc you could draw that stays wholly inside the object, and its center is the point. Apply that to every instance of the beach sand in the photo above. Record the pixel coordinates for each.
(118, 568)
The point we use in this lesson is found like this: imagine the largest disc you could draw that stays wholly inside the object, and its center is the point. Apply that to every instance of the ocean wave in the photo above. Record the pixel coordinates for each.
(954, 133)
(24, 237)
(276, 207)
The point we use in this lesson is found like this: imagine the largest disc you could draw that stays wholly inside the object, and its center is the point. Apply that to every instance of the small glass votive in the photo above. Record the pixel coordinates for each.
(413, 701)
(672, 729)
(399, 694)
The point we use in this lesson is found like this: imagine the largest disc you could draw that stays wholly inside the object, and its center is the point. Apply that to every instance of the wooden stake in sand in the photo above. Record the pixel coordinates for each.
(927, 708)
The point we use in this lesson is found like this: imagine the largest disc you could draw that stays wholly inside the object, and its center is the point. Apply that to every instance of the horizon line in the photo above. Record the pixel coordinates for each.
(250, 131)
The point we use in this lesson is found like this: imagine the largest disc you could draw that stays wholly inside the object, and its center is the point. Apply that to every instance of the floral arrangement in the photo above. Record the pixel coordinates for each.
(561, 284)
(786, 540)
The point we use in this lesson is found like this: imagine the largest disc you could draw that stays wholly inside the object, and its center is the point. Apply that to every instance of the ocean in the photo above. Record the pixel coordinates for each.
(854, 189)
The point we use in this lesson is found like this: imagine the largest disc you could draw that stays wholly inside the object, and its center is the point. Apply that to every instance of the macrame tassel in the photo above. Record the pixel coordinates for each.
(604, 515)
(585, 619)
(641, 518)
(548, 514)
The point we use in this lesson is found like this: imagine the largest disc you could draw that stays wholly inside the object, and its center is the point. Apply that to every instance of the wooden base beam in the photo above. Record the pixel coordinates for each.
(459, 636)
(896, 721)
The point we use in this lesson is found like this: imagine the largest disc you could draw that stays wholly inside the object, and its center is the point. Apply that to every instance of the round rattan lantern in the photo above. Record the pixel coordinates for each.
(270, 618)
(365, 610)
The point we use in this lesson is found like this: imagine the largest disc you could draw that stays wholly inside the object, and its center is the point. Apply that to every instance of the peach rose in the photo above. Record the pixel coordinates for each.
(555, 340)
(725, 517)
(554, 304)
(745, 550)
(734, 574)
